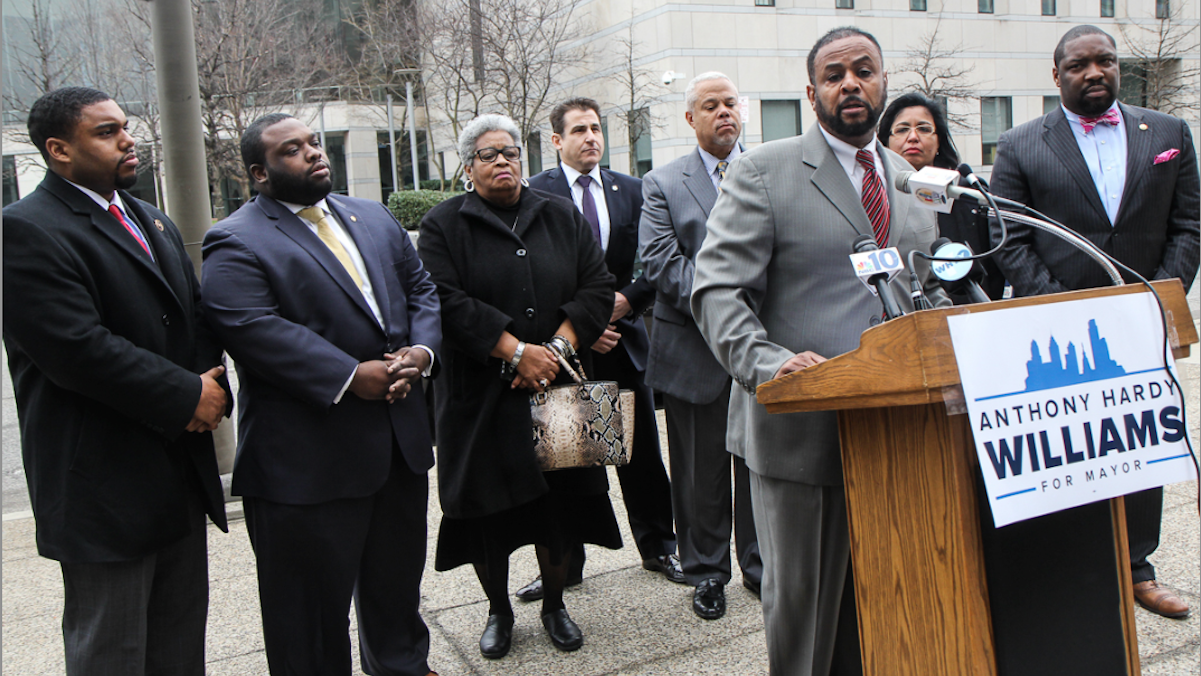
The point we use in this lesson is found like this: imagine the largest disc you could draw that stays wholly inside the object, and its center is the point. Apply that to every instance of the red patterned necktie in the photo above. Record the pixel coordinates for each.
(875, 201)
(116, 212)
(1110, 118)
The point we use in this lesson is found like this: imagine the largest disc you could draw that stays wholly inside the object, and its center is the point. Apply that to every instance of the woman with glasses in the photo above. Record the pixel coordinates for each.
(914, 127)
(520, 277)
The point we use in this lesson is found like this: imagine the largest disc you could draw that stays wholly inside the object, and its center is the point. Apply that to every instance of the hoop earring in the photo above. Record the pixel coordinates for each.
(469, 185)
(525, 183)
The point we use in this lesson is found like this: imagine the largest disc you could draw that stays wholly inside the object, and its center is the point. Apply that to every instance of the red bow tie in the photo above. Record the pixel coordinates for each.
(1110, 118)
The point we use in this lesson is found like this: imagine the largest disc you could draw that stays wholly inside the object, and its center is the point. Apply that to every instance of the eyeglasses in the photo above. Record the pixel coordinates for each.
(511, 153)
(904, 129)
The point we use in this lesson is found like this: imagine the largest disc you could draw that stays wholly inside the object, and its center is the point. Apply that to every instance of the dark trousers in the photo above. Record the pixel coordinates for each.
(1144, 512)
(139, 618)
(644, 483)
(700, 470)
(311, 559)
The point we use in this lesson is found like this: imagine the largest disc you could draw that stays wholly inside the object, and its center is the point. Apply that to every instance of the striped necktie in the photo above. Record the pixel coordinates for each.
(875, 201)
(326, 233)
(116, 212)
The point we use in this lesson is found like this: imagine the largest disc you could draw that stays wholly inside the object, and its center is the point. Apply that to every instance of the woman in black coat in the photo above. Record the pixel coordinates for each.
(515, 268)
(914, 127)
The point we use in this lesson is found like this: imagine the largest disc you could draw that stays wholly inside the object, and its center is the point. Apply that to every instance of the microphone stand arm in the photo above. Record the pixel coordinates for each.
(1071, 238)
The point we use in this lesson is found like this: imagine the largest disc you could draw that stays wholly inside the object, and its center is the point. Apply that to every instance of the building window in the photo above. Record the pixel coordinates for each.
(996, 116)
(404, 162)
(1050, 103)
(1162, 9)
(335, 150)
(1107, 9)
(11, 194)
(641, 147)
(844, 4)
(984, 6)
(604, 160)
(533, 152)
(781, 119)
(765, 3)
(1048, 7)
(917, 5)
(1133, 88)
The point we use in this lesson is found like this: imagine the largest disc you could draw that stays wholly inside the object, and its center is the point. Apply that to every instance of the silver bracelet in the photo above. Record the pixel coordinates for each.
(517, 354)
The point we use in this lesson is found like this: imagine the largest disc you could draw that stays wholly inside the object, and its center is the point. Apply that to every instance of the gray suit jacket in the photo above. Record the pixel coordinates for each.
(676, 201)
(773, 279)
(1039, 164)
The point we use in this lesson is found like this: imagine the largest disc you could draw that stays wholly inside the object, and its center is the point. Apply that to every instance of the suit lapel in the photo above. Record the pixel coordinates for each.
(1057, 132)
(295, 228)
(831, 180)
(1138, 156)
(164, 252)
(697, 180)
(369, 250)
(558, 183)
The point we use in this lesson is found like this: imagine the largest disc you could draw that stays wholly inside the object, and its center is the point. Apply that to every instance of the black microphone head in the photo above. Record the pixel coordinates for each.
(901, 181)
(938, 244)
(965, 170)
(864, 243)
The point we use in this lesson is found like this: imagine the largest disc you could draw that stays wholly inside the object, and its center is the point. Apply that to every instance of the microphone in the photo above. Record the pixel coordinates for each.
(961, 275)
(966, 172)
(936, 188)
(892, 310)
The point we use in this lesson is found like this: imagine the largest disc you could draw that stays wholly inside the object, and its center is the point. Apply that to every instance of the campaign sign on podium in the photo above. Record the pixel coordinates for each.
(1070, 403)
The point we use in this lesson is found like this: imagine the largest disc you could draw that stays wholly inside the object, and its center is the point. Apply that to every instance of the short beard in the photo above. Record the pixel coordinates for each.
(126, 182)
(1091, 109)
(835, 124)
(287, 187)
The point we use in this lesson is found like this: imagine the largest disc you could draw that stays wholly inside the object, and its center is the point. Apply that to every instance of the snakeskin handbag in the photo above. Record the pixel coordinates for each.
(585, 424)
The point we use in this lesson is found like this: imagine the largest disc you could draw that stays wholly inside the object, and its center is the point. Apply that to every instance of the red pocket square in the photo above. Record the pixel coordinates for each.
(1166, 155)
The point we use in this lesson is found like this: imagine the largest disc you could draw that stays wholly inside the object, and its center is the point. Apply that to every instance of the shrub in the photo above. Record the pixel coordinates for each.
(409, 206)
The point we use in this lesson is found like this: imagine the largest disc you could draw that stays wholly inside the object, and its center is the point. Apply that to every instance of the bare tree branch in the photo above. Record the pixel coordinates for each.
(1164, 71)
(941, 73)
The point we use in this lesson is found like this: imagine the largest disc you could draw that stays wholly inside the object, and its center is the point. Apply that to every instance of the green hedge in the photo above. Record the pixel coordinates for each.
(409, 206)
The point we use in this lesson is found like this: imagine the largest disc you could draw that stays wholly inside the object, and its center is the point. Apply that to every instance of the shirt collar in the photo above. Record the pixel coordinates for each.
(294, 208)
(572, 175)
(845, 152)
(1075, 119)
(99, 199)
(711, 160)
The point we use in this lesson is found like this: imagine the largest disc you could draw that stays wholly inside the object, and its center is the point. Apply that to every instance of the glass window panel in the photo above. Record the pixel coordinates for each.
(1050, 103)
(996, 116)
(781, 119)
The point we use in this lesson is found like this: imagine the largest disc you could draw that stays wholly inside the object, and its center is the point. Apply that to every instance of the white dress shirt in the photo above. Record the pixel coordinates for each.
(1104, 151)
(845, 153)
(598, 195)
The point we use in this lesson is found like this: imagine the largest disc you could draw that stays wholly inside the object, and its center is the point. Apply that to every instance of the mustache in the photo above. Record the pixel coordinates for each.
(852, 100)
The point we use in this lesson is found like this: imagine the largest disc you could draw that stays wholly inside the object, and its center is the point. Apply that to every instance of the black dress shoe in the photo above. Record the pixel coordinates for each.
(497, 637)
(709, 600)
(669, 565)
(753, 586)
(533, 590)
(564, 633)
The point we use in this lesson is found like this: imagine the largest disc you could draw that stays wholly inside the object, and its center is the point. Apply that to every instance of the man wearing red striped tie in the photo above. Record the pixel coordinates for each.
(774, 292)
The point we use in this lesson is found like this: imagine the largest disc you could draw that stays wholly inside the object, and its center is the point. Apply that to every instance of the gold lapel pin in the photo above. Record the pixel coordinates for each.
(158, 224)
(354, 219)
(1143, 127)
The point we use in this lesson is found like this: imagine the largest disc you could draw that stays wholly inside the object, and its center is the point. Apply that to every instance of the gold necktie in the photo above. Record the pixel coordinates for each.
(326, 232)
(721, 173)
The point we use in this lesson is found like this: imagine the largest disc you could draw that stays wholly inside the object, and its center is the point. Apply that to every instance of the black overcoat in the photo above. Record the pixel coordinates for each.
(490, 280)
(104, 347)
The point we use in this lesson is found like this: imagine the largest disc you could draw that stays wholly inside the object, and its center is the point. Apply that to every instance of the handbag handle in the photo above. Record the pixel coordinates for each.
(578, 377)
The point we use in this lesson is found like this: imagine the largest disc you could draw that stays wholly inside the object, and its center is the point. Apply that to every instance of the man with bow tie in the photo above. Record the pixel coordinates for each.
(1125, 178)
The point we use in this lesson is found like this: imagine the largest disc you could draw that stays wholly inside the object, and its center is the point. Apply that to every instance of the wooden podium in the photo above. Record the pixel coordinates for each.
(939, 591)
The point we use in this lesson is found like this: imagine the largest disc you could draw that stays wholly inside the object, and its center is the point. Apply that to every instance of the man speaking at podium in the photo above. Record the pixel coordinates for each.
(1124, 177)
(774, 292)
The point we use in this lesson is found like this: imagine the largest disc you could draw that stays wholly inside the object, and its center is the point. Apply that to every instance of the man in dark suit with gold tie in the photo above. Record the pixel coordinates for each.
(1125, 178)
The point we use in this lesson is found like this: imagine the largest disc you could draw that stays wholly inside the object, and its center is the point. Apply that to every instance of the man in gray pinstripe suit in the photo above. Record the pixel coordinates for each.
(774, 293)
(1124, 177)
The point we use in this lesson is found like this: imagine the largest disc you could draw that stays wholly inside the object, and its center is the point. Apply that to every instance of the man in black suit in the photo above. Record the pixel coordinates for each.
(118, 385)
(612, 204)
(1124, 177)
(332, 321)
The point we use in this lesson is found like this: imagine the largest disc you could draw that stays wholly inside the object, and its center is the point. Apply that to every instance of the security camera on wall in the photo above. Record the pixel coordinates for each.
(671, 76)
